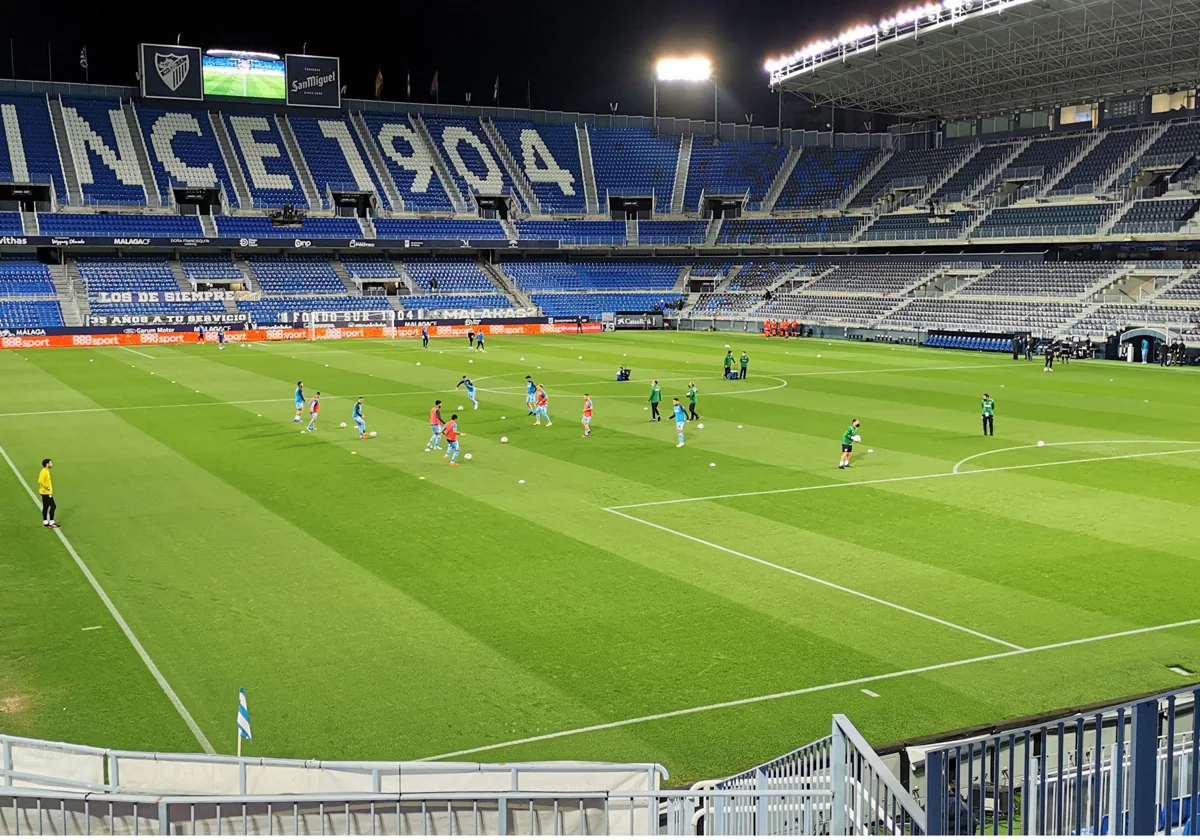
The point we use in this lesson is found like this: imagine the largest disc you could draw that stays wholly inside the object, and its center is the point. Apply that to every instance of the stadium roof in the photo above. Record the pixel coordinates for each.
(978, 57)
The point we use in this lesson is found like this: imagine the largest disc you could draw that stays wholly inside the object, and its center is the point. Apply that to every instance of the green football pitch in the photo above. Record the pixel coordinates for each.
(706, 607)
(252, 85)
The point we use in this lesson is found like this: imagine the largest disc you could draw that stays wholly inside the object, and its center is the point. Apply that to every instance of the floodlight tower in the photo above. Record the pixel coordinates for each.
(695, 69)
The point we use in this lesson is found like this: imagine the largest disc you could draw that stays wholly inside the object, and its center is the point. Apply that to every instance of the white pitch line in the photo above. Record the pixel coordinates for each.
(822, 581)
(815, 689)
(138, 352)
(112, 608)
(911, 477)
(869, 692)
(85, 629)
(1069, 443)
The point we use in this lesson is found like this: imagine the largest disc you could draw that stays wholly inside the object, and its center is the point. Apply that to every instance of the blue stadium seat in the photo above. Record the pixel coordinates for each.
(296, 275)
(119, 225)
(10, 224)
(766, 231)
(548, 153)
(127, 274)
(23, 277)
(672, 233)
(20, 314)
(105, 158)
(439, 229)
(210, 268)
(335, 156)
(316, 227)
(370, 268)
(268, 309)
(731, 168)
(574, 232)
(592, 275)
(268, 170)
(409, 162)
(822, 176)
(635, 162)
(593, 305)
(42, 164)
(472, 162)
(452, 275)
(183, 151)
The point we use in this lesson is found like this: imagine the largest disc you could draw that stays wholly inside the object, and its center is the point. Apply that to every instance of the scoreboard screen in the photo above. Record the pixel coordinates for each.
(244, 74)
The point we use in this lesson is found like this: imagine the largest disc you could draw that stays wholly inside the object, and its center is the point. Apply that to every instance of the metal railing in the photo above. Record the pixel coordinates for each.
(1127, 769)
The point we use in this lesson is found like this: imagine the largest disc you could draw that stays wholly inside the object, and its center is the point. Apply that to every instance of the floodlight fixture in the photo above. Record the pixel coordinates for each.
(694, 69)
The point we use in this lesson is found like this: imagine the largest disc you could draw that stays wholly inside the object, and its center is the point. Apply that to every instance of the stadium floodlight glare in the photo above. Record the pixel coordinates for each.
(931, 15)
(695, 69)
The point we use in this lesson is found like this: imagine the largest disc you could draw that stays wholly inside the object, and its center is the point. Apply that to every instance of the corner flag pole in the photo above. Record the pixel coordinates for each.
(243, 721)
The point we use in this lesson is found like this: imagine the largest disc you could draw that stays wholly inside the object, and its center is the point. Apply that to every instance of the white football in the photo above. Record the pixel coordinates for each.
(502, 417)
(857, 438)
(343, 425)
(581, 358)
(470, 361)
(522, 481)
(726, 346)
(739, 427)
(522, 358)
(818, 355)
(326, 365)
(870, 450)
(374, 433)
(700, 426)
(460, 408)
(504, 440)
(418, 364)
(468, 456)
(1041, 443)
(712, 465)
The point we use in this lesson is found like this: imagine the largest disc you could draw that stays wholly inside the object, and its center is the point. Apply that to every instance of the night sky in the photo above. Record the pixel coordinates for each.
(574, 56)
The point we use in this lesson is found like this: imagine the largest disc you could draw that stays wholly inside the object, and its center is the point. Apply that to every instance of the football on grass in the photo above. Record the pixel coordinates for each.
(468, 456)
(343, 425)
(374, 433)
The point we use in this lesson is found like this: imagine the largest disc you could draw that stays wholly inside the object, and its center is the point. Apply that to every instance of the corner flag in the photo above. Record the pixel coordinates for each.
(243, 719)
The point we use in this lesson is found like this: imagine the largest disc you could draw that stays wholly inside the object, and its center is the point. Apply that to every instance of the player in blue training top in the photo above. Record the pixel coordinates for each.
(314, 408)
(530, 394)
(425, 337)
(359, 420)
(470, 389)
(299, 400)
(680, 419)
(479, 348)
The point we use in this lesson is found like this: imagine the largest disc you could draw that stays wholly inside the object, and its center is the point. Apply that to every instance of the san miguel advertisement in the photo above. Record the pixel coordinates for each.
(30, 339)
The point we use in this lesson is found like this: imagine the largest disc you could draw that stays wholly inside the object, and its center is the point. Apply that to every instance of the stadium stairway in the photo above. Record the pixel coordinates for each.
(66, 300)
(713, 232)
(462, 204)
(631, 232)
(682, 164)
(70, 173)
(1122, 167)
(208, 224)
(244, 268)
(316, 201)
(153, 196)
(181, 280)
(76, 290)
(403, 274)
(1070, 163)
(241, 189)
(343, 275)
(367, 225)
(865, 177)
(507, 287)
(781, 179)
(515, 172)
(373, 155)
(989, 176)
(590, 196)
(29, 223)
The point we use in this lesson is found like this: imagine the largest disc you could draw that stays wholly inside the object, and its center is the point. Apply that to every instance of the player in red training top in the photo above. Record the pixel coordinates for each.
(435, 423)
(587, 415)
(452, 434)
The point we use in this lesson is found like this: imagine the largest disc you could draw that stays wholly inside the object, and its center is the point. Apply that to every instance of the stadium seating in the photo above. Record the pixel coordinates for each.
(174, 308)
(1180, 140)
(183, 151)
(295, 275)
(472, 162)
(595, 304)
(724, 304)
(927, 165)
(1046, 220)
(575, 233)
(335, 156)
(769, 231)
(1111, 318)
(370, 268)
(10, 224)
(592, 275)
(264, 160)
(456, 302)
(316, 227)
(757, 276)
(1088, 174)
(900, 226)
(983, 316)
(126, 274)
(972, 171)
(21, 314)
(119, 225)
(634, 162)
(439, 229)
(822, 176)
(210, 268)
(672, 233)
(1159, 216)
(1188, 289)
(42, 165)
(873, 277)
(1049, 154)
(827, 309)
(963, 342)
(106, 161)
(716, 269)
(557, 180)
(1059, 280)
(409, 162)
(730, 168)
(452, 275)
(24, 278)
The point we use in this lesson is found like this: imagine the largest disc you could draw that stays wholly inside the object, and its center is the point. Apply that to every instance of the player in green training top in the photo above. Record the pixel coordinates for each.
(728, 362)
(989, 415)
(849, 438)
(655, 399)
(692, 396)
(744, 362)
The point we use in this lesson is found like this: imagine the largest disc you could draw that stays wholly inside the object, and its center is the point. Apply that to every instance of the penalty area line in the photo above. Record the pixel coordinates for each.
(763, 698)
(116, 614)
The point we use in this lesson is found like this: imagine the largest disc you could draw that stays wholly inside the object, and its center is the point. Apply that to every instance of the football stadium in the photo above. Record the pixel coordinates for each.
(413, 468)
